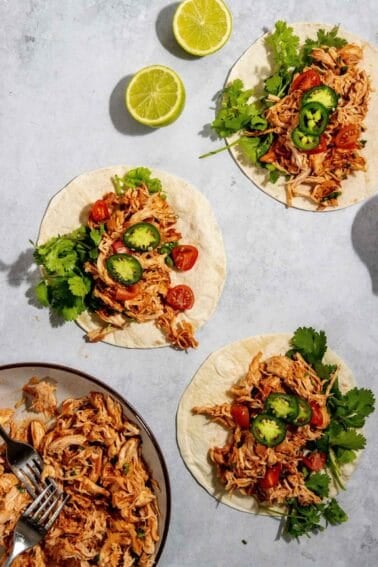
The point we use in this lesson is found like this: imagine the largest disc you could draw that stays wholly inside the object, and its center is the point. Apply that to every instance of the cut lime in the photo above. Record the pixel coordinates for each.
(202, 27)
(155, 96)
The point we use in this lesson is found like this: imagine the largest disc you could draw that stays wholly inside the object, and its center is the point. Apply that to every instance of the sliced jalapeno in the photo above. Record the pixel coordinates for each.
(283, 406)
(313, 118)
(268, 430)
(323, 94)
(304, 414)
(304, 141)
(124, 268)
(142, 236)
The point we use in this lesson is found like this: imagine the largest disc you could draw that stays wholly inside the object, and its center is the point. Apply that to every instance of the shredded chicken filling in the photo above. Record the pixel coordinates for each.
(319, 176)
(243, 462)
(95, 454)
(148, 303)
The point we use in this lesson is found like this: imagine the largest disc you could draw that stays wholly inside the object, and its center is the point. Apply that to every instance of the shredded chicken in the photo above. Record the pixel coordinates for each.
(319, 176)
(147, 301)
(95, 454)
(243, 462)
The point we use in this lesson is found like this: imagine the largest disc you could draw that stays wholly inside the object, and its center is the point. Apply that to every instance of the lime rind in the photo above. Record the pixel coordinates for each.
(202, 27)
(155, 96)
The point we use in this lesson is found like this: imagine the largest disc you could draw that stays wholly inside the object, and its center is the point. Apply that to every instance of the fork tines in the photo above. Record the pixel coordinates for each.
(45, 509)
(30, 476)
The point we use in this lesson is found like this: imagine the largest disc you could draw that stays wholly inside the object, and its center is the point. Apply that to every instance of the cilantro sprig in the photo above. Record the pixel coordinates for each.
(65, 286)
(303, 520)
(340, 441)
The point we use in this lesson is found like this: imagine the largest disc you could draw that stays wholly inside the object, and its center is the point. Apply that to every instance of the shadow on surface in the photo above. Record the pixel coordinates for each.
(164, 31)
(25, 271)
(365, 238)
(122, 120)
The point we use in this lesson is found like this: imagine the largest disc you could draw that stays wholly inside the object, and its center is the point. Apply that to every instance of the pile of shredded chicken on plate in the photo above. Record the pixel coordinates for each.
(319, 176)
(242, 462)
(148, 304)
(94, 453)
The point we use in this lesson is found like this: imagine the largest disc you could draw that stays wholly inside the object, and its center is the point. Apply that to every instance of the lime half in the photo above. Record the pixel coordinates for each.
(202, 27)
(155, 96)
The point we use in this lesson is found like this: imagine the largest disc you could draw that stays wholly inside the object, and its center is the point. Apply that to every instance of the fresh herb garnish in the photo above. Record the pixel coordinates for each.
(65, 286)
(319, 483)
(303, 520)
(135, 178)
(340, 440)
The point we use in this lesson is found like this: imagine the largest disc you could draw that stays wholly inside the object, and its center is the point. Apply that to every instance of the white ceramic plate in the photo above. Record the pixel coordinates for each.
(73, 384)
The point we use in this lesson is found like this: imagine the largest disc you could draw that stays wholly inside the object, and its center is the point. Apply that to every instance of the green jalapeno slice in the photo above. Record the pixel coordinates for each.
(313, 118)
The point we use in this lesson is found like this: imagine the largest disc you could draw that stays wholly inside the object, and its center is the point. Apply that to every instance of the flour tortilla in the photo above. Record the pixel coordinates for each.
(196, 434)
(254, 66)
(196, 221)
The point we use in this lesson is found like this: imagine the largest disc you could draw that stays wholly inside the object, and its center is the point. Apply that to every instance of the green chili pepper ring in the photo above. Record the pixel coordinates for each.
(313, 118)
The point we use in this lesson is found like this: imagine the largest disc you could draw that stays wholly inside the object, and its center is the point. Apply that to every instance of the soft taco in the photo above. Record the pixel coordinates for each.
(134, 256)
(265, 431)
(298, 113)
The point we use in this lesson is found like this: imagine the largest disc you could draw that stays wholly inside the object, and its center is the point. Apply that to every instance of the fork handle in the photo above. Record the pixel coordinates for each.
(4, 435)
(18, 548)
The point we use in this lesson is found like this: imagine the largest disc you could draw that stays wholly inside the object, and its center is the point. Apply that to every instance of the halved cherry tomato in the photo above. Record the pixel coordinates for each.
(240, 414)
(180, 297)
(321, 147)
(306, 81)
(119, 247)
(271, 478)
(315, 461)
(125, 293)
(184, 256)
(347, 137)
(99, 211)
(317, 417)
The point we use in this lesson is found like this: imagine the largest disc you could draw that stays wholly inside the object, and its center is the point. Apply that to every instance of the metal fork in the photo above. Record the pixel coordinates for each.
(37, 519)
(25, 463)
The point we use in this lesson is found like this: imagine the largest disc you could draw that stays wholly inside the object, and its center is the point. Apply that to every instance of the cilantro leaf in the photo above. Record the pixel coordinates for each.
(311, 344)
(278, 83)
(41, 293)
(318, 483)
(136, 178)
(284, 45)
(303, 520)
(249, 147)
(79, 286)
(65, 287)
(323, 39)
(334, 514)
(345, 456)
(235, 111)
(347, 439)
(352, 408)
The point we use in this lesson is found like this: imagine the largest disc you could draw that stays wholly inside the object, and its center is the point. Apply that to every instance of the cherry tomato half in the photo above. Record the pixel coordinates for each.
(306, 81)
(317, 417)
(315, 461)
(184, 256)
(321, 147)
(271, 478)
(126, 293)
(99, 211)
(180, 297)
(347, 137)
(240, 414)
